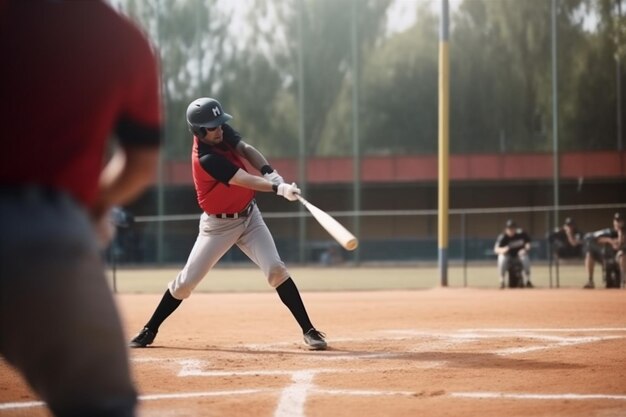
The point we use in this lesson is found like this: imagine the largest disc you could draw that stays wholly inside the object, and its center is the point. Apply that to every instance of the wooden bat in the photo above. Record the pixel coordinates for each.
(332, 226)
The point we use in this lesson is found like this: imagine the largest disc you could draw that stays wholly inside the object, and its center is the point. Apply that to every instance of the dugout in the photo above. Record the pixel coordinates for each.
(398, 219)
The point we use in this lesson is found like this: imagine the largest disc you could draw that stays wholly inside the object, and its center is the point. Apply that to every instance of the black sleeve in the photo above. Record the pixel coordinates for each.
(500, 240)
(132, 133)
(231, 136)
(526, 237)
(218, 167)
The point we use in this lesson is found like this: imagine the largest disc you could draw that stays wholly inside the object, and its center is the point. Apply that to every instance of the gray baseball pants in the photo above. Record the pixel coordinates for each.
(58, 322)
(216, 236)
(503, 264)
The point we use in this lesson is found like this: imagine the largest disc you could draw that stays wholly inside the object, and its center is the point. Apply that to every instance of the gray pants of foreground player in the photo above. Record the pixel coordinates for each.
(58, 322)
(503, 264)
(216, 236)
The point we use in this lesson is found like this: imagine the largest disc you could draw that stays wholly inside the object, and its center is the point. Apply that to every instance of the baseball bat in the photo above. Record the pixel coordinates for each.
(332, 226)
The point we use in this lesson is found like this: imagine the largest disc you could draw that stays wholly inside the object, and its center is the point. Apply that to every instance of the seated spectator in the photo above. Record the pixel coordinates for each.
(567, 241)
(513, 242)
(612, 238)
(331, 256)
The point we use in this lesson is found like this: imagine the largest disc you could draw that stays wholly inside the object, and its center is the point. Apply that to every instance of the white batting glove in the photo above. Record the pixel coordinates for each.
(289, 191)
(274, 177)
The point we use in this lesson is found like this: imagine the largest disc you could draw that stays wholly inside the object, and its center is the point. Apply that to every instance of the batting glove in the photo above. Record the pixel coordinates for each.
(274, 177)
(289, 191)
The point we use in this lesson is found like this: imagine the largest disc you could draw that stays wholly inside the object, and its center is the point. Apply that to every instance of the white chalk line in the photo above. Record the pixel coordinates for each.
(191, 367)
(318, 391)
(554, 330)
(563, 343)
(187, 395)
(23, 404)
(292, 399)
(457, 335)
(568, 396)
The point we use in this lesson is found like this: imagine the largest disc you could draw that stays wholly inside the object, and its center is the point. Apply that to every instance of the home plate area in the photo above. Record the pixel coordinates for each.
(393, 372)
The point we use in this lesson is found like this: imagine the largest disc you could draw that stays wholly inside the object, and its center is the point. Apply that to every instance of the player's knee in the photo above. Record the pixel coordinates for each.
(277, 275)
(180, 289)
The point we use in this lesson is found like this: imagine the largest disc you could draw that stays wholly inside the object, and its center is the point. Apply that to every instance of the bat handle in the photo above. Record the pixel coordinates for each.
(301, 199)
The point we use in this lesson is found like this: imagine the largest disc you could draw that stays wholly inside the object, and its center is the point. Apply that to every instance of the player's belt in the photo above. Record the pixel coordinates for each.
(243, 213)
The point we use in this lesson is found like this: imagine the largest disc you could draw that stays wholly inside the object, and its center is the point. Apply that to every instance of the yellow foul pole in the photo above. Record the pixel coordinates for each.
(444, 147)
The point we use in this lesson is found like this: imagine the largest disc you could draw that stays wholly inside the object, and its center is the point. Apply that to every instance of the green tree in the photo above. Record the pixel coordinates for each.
(399, 91)
(325, 46)
(190, 36)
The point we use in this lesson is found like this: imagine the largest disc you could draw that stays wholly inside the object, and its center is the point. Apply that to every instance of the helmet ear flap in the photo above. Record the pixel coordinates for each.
(198, 131)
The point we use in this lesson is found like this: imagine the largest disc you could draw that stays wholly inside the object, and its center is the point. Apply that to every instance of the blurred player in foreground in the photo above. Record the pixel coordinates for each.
(513, 242)
(73, 73)
(225, 192)
(614, 238)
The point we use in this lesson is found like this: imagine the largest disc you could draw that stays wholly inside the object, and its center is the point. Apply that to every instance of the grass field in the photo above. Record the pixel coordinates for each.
(246, 279)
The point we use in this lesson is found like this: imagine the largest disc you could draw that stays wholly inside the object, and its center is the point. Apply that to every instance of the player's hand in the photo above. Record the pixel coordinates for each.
(274, 177)
(289, 191)
(104, 229)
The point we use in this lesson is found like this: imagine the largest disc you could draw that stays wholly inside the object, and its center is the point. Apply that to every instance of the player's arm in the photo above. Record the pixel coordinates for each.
(133, 164)
(572, 237)
(258, 161)
(130, 170)
(243, 179)
(527, 242)
(253, 182)
(227, 173)
(249, 152)
(498, 249)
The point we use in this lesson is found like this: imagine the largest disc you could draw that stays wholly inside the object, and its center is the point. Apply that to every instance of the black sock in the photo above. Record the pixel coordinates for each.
(166, 307)
(289, 295)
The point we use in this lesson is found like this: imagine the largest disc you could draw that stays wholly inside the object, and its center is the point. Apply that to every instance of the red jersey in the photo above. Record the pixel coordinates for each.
(212, 168)
(73, 74)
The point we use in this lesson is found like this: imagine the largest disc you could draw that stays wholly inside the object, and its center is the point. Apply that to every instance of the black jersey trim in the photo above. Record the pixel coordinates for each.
(132, 133)
(218, 167)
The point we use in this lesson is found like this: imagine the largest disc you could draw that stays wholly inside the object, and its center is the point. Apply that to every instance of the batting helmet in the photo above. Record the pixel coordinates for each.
(205, 113)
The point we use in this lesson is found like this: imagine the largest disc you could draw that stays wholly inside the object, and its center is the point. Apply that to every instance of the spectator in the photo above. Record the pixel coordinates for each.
(599, 241)
(513, 242)
(73, 74)
(331, 256)
(567, 241)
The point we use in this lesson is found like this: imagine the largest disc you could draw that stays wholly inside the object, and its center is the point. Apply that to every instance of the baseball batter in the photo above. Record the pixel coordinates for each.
(225, 192)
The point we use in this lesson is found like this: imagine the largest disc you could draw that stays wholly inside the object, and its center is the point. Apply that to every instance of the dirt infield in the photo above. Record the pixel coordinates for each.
(439, 352)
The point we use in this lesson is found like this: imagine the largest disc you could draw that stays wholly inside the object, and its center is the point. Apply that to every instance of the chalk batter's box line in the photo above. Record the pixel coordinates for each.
(468, 395)
(469, 335)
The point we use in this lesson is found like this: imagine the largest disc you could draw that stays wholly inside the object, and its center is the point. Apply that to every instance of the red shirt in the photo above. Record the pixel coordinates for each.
(73, 74)
(212, 168)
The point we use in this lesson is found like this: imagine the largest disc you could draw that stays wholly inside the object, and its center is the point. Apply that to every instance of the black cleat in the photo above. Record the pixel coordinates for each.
(529, 285)
(315, 339)
(143, 339)
(589, 285)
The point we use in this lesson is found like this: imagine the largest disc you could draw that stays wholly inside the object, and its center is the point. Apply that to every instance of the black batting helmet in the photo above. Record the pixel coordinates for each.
(205, 113)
